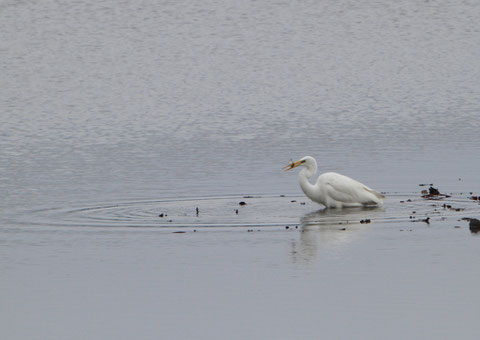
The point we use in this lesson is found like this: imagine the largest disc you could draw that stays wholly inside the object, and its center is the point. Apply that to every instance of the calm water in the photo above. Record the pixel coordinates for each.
(112, 112)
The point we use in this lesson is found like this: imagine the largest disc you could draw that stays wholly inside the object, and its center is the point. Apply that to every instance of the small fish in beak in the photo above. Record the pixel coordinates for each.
(291, 165)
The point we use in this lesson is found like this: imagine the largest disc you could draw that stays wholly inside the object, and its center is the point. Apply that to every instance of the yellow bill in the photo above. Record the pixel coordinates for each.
(291, 165)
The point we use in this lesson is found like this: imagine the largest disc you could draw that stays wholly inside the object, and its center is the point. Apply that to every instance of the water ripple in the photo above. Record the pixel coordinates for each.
(226, 211)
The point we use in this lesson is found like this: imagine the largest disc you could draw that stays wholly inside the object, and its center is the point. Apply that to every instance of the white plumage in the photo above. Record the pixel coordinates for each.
(334, 190)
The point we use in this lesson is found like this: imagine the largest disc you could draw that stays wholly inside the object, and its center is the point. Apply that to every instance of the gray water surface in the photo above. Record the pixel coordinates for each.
(113, 112)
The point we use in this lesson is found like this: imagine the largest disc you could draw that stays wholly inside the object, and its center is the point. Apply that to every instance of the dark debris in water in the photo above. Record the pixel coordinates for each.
(242, 203)
(474, 224)
(365, 221)
(448, 206)
(425, 220)
(434, 194)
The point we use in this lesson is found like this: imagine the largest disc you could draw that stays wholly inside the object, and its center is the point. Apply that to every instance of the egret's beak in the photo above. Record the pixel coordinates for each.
(292, 165)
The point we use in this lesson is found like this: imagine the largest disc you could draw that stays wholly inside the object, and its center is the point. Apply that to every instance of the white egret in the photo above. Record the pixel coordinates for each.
(333, 190)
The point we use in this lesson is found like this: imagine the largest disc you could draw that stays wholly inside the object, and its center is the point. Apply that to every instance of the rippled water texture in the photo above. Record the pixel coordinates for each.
(244, 211)
(115, 112)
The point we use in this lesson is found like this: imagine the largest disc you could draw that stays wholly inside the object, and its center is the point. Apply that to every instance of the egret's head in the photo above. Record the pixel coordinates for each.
(305, 161)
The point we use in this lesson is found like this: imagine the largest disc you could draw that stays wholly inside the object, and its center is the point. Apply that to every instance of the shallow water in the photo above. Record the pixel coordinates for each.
(243, 211)
(112, 113)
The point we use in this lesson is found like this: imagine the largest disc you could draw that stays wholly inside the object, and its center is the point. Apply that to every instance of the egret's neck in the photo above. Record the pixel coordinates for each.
(303, 177)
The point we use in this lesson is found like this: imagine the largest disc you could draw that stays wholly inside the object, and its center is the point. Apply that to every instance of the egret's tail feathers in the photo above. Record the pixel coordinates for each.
(376, 193)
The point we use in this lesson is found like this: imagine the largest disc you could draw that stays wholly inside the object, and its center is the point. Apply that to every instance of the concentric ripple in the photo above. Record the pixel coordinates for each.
(237, 211)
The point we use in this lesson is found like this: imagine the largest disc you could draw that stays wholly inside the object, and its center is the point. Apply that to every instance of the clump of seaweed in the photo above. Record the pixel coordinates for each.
(433, 194)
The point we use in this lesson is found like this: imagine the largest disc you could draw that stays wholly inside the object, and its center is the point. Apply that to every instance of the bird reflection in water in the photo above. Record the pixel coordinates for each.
(329, 231)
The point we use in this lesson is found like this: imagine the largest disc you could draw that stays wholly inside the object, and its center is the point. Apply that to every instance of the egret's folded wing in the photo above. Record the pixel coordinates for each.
(345, 189)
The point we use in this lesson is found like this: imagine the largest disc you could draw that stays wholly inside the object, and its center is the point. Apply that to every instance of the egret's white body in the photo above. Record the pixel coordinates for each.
(334, 190)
